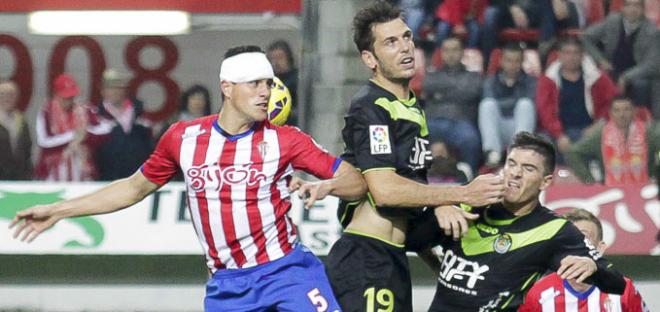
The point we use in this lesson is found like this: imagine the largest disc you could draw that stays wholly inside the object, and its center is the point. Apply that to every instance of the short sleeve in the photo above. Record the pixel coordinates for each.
(162, 164)
(372, 137)
(309, 156)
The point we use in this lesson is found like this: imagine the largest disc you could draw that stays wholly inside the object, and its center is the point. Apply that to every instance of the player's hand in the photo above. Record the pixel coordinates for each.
(576, 267)
(484, 190)
(454, 220)
(295, 184)
(309, 192)
(33, 221)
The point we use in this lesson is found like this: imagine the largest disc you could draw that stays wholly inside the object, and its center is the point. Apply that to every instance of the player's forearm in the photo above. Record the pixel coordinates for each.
(112, 197)
(348, 184)
(608, 279)
(398, 191)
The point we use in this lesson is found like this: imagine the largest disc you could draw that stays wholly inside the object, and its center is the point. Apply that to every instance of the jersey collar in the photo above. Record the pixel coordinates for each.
(234, 137)
(577, 294)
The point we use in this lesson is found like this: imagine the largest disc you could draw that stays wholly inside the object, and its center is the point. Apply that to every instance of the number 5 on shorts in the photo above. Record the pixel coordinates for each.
(384, 297)
(318, 300)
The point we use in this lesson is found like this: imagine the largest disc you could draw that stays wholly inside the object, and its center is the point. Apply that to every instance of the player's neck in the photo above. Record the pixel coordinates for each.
(232, 122)
(399, 88)
(520, 209)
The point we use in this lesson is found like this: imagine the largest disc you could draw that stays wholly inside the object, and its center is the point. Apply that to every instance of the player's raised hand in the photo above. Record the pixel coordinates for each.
(453, 220)
(33, 221)
(576, 267)
(484, 190)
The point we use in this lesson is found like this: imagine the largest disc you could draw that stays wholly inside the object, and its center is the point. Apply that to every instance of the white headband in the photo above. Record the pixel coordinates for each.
(246, 67)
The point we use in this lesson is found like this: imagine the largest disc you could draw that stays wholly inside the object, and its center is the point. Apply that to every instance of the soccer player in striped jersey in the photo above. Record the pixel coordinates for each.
(237, 168)
(553, 294)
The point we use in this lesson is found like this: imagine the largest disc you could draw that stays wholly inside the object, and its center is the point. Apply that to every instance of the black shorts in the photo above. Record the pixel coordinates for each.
(367, 272)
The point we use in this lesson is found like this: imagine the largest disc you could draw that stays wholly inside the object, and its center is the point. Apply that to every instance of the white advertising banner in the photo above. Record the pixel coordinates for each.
(160, 224)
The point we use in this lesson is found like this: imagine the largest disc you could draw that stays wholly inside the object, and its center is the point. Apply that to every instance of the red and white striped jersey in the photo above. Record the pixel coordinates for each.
(552, 294)
(237, 185)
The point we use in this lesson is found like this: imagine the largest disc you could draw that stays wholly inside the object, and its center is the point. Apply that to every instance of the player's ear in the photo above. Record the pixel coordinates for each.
(369, 59)
(547, 181)
(601, 247)
(225, 88)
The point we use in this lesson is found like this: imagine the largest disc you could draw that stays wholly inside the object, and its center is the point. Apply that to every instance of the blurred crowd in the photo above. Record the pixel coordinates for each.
(586, 73)
(81, 141)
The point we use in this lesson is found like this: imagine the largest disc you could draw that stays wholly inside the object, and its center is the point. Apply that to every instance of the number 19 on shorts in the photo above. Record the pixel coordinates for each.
(381, 300)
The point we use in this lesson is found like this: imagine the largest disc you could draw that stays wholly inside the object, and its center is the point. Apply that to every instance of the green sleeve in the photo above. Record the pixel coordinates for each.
(584, 151)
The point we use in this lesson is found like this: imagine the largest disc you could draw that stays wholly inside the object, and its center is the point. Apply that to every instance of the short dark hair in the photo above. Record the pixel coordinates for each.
(454, 38)
(196, 89)
(242, 49)
(539, 144)
(513, 47)
(621, 98)
(377, 12)
(285, 47)
(567, 41)
(579, 214)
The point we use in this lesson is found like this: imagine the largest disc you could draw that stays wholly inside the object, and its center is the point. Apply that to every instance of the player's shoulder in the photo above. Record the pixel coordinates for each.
(367, 96)
(198, 126)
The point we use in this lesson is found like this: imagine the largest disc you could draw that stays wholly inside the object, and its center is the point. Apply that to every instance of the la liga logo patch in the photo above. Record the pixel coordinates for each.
(379, 139)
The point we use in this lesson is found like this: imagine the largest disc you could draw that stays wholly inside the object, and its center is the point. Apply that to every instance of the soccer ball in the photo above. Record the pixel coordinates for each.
(279, 105)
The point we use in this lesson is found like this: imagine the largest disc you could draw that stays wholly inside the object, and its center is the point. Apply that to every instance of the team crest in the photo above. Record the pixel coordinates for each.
(379, 139)
(502, 243)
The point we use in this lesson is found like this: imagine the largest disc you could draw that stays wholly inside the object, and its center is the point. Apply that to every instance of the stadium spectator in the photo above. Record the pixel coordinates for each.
(16, 154)
(521, 14)
(624, 148)
(552, 293)
(130, 141)
(452, 97)
(68, 133)
(508, 105)
(195, 102)
(461, 18)
(572, 95)
(281, 57)
(627, 46)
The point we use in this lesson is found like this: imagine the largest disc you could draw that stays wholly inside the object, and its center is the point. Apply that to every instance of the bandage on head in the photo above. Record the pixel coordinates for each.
(245, 67)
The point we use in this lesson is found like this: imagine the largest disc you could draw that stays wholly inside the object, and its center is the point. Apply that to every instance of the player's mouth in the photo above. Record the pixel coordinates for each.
(513, 185)
(408, 62)
(263, 105)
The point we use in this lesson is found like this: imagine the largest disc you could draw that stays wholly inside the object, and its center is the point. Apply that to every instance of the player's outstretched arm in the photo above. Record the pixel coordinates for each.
(347, 184)
(117, 195)
(391, 189)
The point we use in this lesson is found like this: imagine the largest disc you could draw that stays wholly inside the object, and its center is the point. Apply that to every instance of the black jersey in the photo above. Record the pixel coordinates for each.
(385, 133)
(499, 259)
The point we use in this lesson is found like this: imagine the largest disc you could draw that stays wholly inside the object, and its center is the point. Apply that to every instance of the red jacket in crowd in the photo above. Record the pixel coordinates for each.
(599, 90)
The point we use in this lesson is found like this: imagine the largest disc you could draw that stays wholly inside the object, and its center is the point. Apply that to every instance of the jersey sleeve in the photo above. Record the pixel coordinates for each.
(569, 241)
(531, 302)
(372, 134)
(162, 164)
(309, 156)
(631, 300)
